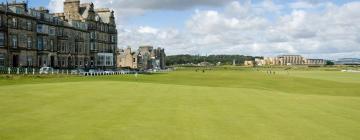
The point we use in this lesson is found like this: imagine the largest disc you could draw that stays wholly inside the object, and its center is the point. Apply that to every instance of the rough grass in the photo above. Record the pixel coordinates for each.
(223, 104)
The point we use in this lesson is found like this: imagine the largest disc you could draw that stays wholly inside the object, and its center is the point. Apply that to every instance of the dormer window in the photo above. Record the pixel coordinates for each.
(97, 18)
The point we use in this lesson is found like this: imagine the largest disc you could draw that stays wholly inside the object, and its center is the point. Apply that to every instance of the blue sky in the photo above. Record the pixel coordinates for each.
(314, 28)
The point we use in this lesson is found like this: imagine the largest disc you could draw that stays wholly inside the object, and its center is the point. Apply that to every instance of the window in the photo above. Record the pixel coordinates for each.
(63, 47)
(80, 49)
(19, 11)
(42, 29)
(22, 24)
(2, 39)
(29, 42)
(40, 43)
(29, 61)
(92, 35)
(14, 41)
(52, 45)
(45, 44)
(101, 60)
(29, 25)
(52, 31)
(2, 60)
(92, 46)
(39, 28)
(14, 20)
(38, 15)
(60, 31)
(108, 59)
(113, 38)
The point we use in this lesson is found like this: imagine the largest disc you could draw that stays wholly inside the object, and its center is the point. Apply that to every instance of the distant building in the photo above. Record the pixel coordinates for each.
(204, 64)
(127, 59)
(249, 63)
(348, 61)
(260, 62)
(315, 62)
(290, 60)
(146, 57)
(271, 61)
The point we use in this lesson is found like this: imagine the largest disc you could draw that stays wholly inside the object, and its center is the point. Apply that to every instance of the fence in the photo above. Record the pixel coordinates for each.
(30, 71)
(36, 71)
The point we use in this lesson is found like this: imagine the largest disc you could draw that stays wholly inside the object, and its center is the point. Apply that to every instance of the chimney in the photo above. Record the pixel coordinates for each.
(71, 8)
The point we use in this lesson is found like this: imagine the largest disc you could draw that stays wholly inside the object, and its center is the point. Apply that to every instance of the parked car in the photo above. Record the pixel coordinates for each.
(46, 70)
(92, 71)
(109, 71)
(77, 71)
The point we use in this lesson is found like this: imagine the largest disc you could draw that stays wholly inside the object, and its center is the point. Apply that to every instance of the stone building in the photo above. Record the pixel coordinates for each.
(271, 61)
(126, 59)
(146, 57)
(17, 36)
(290, 60)
(260, 62)
(315, 62)
(80, 37)
(249, 63)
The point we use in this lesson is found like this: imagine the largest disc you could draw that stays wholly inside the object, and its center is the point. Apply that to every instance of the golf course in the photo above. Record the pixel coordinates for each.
(184, 104)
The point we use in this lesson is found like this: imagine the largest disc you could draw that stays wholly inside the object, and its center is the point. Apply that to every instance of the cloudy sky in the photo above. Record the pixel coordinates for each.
(313, 28)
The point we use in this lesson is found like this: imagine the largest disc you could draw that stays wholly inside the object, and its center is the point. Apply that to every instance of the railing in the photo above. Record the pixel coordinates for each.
(37, 71)
(31, 71)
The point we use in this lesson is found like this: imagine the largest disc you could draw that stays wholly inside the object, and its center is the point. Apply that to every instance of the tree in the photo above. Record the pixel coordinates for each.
(330, 63)
(195, 59)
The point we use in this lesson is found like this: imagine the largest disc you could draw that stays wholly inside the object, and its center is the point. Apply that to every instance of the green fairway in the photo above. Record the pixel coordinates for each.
(183, 105)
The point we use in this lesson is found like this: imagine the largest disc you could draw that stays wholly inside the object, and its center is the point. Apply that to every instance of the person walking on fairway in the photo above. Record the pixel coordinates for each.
(136, 75)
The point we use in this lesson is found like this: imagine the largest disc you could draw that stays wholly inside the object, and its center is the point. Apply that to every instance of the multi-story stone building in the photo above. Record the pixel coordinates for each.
(271, 61)
(127, 59)
(146, 57)
(80, 37)
(315, 62)
(290, 60)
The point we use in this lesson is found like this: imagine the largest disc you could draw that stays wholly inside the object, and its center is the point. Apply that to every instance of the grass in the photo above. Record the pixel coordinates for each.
(218, 104)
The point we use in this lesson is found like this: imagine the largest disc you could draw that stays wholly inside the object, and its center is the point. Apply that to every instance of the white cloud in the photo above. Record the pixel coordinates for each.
(212, 22)
(303, 5)
(311, 28)
(147, 30)
(330, 29)
(166, 4)
(56, 6)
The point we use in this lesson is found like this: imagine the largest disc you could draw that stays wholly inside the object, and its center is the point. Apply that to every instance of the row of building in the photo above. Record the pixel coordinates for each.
(80, 37)
(146, 57)
(285, 60)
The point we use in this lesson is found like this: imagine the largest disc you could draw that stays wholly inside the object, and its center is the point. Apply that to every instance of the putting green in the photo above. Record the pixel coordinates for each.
(181, 105)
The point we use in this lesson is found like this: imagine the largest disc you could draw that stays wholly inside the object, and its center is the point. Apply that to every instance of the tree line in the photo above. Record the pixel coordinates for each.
(213, 59)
